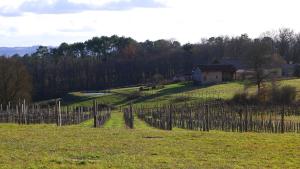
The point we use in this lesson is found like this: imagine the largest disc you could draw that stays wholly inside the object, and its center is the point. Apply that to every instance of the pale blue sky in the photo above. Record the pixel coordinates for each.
(68, 6)
(51, 22)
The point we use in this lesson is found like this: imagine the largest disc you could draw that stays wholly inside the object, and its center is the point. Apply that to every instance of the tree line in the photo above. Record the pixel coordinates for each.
(107, 62)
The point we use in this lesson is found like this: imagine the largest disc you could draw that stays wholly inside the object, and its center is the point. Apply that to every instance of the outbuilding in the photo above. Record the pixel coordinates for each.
(213, 74)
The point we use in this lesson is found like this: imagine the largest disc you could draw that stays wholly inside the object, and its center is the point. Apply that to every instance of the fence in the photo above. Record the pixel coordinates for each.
(23, 113)
(223, 116)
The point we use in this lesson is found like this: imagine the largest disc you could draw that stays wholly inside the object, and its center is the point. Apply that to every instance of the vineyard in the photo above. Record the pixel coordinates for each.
(202, 116)
(162, 126)
(23, 113)
(128, 117)
(219, 115)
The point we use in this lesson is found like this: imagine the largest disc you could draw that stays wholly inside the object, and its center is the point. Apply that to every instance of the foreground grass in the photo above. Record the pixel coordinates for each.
(116, 121)
(47, 146)
(114, 146)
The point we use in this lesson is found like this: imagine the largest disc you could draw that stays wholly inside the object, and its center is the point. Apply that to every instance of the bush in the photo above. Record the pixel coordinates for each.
(134, 95)
(156, 87)
(180, 99)
(157, 78)
(284, 95)
(297, 71)
(265, 94)
(240, 98)
(278, 95)
(159, 86)
(144, 88)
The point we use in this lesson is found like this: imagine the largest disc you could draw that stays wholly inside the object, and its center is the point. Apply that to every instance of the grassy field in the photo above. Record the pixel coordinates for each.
(115, 146)
(47, 146)
(119, 97)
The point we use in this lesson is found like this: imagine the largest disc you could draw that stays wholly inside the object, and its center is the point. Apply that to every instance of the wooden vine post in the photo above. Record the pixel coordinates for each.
(207, 118)
(24, 111)
(59, 114)
(131, 116)
(246, 119)
(241, 120)
(95, 113)
(282, 119)
(170, 118)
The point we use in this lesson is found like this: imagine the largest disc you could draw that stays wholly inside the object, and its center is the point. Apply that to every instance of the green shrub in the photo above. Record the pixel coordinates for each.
(134, 95)
(180, 99)
(277, 95)
(297, 71)
(156, 87)
(144, 88)
(287, 95)
(240, 98)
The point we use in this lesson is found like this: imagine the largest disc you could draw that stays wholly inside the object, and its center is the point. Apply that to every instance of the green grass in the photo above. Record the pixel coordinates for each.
(115, 146)
(119, 97)
(139, 124)
(116, 121)
(295, 83)
(88, 123)
(48, 146)
(172, 91)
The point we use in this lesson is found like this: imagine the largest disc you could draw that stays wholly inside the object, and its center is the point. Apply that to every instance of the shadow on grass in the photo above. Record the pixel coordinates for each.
(122, 98)
(186, 87)
(71, 99)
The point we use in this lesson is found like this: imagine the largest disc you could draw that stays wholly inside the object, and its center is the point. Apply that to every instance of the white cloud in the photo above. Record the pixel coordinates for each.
(186, 21)
(72, 6)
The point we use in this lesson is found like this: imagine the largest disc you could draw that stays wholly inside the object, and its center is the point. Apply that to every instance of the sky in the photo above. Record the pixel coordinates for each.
(51, 22)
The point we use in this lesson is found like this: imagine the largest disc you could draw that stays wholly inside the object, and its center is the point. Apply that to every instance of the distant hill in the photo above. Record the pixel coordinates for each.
(10, 51)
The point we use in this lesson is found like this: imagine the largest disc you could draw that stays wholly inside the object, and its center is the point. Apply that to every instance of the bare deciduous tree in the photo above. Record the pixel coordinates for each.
(15, 83)
(260, 57)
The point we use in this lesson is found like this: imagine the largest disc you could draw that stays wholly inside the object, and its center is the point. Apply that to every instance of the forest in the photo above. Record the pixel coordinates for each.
(107, 62)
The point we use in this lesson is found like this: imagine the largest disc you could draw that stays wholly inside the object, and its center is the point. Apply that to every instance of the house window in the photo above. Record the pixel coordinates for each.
(204, 78)
(216, 77)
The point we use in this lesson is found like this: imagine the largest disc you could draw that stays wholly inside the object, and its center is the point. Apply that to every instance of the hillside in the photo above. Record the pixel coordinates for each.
(173, 93)
(10, 51)
(116, 146)
(149, 84)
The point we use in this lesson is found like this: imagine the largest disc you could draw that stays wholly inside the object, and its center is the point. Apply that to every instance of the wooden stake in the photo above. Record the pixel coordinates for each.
(59, 112)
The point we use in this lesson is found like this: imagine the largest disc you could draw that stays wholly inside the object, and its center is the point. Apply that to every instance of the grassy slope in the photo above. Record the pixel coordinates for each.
(152, 97)
(114, 146)
(118, 96)
(46, 146)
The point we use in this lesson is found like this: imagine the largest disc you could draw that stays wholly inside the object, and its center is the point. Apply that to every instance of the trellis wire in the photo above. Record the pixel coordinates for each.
(218, 115)
(128, 117)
